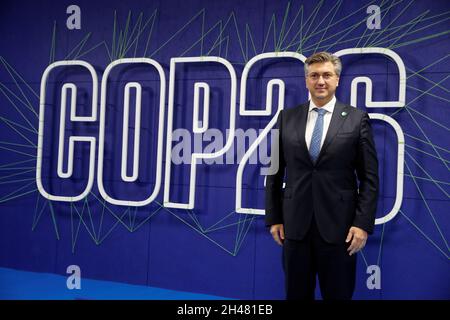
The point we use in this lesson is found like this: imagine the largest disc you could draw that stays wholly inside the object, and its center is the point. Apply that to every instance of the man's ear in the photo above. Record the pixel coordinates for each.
(337, 85)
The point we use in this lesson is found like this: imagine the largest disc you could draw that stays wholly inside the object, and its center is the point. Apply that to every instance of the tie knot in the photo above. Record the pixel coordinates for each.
(320, 111)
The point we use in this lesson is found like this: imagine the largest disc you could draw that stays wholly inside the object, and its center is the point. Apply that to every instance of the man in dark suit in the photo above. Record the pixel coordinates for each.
(322, 216)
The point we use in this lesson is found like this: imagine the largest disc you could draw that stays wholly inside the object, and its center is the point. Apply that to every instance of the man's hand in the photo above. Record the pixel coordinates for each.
(359, 237)
(277, 231)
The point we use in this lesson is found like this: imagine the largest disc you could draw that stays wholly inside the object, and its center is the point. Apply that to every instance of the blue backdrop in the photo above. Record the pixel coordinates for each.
(211, 248)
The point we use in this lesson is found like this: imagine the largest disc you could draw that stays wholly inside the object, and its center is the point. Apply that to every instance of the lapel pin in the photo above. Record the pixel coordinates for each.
(343, 113)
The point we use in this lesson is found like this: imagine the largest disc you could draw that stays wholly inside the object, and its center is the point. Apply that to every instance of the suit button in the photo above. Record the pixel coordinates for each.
(314, 170)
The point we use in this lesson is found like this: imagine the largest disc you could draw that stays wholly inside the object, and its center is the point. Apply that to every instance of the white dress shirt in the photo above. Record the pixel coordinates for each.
(312, 117)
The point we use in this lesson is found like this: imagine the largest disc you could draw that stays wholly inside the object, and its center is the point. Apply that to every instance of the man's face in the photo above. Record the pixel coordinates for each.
(322, 81)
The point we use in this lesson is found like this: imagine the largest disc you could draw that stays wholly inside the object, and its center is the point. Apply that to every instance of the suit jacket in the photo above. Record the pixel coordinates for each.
(329, 188)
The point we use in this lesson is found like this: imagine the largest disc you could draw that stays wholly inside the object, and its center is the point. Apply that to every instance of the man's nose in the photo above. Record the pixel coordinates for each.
(321, 81)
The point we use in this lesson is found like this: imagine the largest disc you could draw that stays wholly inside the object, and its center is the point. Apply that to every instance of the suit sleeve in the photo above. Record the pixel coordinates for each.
(274, 181)
(367, 172)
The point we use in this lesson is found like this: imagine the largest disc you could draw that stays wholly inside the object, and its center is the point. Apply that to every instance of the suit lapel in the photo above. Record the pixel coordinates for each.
(337, 119)
(300, 128)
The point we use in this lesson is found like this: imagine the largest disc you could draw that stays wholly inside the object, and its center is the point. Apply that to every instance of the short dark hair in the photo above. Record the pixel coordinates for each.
(321, 57)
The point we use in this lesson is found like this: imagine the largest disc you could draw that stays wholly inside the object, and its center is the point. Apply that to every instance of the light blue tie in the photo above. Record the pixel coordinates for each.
(314, 147)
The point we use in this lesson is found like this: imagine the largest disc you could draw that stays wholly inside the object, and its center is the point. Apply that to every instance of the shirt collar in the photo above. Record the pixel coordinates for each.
(329, 106)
